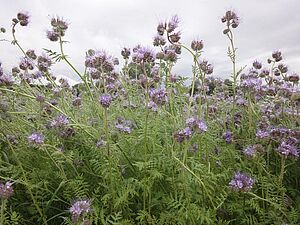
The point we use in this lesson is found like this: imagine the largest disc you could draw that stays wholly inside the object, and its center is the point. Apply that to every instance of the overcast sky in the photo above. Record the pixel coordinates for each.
(266, 26)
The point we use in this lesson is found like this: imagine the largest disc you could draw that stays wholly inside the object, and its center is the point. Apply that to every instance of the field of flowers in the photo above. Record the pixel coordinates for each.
(133, 143)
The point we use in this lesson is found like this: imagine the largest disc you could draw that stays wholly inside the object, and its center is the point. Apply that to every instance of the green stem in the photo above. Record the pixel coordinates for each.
(3, 203)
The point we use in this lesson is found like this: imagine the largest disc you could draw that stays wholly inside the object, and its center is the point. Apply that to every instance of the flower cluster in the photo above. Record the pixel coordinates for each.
(196, 124)
(59, 121)
(125, 126)
(36, 138)
(105, 100)
(143, 54)
(6, 190)
(227, 136)
(184, 134)
(22, 18)
(158, 97)
(241, 182)
(101, 61)
(206, 67)
(79, 209)
(59, 27)
(288, 149)
(231, 19)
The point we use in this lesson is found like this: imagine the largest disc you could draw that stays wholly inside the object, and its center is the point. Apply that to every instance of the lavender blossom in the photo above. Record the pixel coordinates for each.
(173, 23)
(105, 100)
(277, 56)
(59, 122)
(6, 190)
(26, 63)
(195, 123)
(143, 55)
(287, 149)
(241, 182)
(44, 63)
(257, 65)
(197, 45)
(124, 125)
(182, 135)
(250, 151)
(79, 209)
(159, 96)
(159, 40)
(227, 136)
(125, 53)
(206, 67)
(36, 138)
(23, 18)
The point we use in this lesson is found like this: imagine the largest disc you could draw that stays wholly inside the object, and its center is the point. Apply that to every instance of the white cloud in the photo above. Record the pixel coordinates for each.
(112, 24)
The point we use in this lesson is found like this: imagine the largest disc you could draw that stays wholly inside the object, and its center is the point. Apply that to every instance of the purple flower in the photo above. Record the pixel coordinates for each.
(277, 56)
(153, 106)
(40, 98)
(52, 35)
(197, 45)
(181, 135)
(6, 80)
(125, 53)
(206, 67)
(76, 101)
(257, 65)
(143, 55)
(26, 63)
(227, 136)
(231, 19)
(79, 209)
(44, 63)
(250, 151)
(105, 100)
(23, 18)
(241, 182)
(100, 60)
(159, 96)
(6, 190)
(195, 123)
(262, 134)
(59, 122)
(173, 23)
(159, 40)
(286, 149)
(36, 138)
(124, 125)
